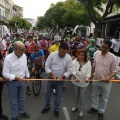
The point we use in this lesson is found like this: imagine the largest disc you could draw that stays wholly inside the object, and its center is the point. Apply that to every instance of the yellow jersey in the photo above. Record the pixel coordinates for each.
(54, 48)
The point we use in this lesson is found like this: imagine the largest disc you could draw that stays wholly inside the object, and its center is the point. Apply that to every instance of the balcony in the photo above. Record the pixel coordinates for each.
(2, 18)
(7, 10)
(2, 5)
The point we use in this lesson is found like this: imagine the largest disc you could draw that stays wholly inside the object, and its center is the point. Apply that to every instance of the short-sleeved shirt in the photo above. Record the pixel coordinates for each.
(37, 57)
(104, 65)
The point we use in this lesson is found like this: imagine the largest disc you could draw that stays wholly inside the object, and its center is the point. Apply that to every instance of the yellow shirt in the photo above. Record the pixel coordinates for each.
(54, 48)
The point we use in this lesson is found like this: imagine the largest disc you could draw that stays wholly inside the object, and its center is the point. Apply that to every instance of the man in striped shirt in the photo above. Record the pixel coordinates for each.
(104, 69)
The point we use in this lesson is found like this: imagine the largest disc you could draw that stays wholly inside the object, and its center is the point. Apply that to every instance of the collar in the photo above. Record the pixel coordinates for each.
(14, 55)
(105, 54)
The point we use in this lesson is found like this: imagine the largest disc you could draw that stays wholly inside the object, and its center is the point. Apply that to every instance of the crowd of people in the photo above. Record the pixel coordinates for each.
(76, 58)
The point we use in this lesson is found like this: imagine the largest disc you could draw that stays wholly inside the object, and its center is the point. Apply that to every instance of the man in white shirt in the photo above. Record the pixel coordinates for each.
(59, 67)
(15, 70)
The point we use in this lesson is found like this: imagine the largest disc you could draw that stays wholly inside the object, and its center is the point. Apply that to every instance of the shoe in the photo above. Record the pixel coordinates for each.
(100, 116)
(74, 109)
(45, 110)
(80, 114)
(3, 117)
(92, 111)
(25, 115)
(15, 118)
(28, 91)
(56, 113)
(54, 92)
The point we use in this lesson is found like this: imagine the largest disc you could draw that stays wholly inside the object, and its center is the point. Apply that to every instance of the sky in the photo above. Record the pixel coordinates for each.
(34, 8)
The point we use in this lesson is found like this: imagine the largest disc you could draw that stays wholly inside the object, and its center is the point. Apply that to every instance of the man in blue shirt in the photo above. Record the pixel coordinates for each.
(37, 58)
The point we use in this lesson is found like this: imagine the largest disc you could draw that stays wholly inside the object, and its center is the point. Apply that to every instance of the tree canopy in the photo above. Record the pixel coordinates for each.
(97, 12)
(21, 22)
(61, 14)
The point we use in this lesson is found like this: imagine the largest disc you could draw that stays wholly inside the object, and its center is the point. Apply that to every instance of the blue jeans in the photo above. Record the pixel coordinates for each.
(105, 88)
(58, 86)
(16, 92)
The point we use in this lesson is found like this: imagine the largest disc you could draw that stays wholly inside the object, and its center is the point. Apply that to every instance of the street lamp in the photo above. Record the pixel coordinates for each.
(16, 26)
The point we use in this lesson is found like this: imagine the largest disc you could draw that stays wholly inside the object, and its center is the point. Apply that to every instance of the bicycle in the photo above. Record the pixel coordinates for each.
(36, 84)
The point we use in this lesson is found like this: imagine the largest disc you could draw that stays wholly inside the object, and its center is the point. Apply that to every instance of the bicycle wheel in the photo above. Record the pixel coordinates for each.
(36, 85)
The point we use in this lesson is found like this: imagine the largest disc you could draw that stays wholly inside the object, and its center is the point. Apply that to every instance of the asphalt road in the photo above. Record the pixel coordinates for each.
(34, 105)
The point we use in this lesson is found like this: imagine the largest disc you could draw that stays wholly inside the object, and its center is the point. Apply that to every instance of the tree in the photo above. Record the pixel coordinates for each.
(41, 22)
(95, 7)
(63, 14)
(21, 22)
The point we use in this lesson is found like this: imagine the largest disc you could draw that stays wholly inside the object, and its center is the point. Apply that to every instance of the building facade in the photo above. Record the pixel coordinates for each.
(32, 21)
(19, 10)
(7, 11)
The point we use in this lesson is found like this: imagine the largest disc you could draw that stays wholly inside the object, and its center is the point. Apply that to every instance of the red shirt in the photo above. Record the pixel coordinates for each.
(29, 46)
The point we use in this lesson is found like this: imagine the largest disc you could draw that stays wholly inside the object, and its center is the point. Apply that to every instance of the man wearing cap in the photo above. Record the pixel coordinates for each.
(37, 58)
(29, 44)
(91, 49)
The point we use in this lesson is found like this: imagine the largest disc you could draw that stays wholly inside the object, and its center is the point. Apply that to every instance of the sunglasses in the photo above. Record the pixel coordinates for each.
(80, 68)
(36, 50)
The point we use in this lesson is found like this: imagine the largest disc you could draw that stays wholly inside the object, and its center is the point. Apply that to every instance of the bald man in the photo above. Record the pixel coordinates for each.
(15, 70)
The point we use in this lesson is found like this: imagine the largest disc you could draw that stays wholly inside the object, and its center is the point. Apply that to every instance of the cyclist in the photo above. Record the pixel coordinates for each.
(17, 38)
(44, 44)
(55, 47)
(37, 58)
(91, 50)
(29, 44)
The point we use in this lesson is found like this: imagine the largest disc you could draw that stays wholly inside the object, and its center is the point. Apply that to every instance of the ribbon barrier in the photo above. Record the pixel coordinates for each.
(45, 79)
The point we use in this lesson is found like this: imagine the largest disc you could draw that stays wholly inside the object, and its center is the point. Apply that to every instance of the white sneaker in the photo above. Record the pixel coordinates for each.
(80, 114)
(54, 92)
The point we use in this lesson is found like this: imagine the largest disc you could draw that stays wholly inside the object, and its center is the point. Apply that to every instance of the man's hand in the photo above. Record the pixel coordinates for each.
(107, 79)
(60, 78)
(19, 79)
(53, 77)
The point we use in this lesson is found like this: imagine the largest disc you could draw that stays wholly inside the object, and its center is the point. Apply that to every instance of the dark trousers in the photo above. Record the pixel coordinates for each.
(1, 89)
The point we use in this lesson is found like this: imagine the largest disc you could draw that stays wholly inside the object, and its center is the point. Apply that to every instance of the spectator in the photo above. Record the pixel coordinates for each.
(104, 69)
(15, 70)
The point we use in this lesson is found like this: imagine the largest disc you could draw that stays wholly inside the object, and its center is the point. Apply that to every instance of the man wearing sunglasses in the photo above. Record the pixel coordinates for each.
(37, 58)
(104, 69)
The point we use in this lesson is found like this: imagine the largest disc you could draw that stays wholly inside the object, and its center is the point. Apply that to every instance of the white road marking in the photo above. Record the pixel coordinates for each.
(65, 111)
